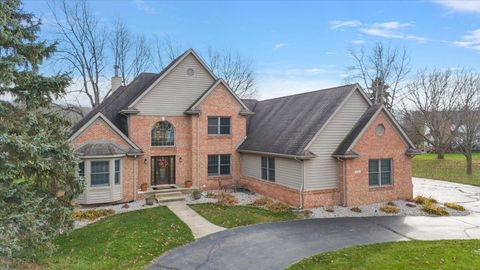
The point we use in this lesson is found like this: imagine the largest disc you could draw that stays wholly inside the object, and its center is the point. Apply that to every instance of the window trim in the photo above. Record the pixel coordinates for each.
(218, 126)
(379, 173)
(219, 164)
(109, 174)
(174, 134)
(119, 172)
(268, 168)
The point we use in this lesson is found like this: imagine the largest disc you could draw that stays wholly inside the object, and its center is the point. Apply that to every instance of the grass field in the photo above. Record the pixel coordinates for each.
(124, 241)
(234, 216)
(417, 255)
(452, 168)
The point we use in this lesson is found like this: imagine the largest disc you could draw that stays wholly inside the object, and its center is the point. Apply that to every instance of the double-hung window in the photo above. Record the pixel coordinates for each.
(100, 173)
(218, 165)
(379, 172)
(218, 125)
(117, 171)
(268, 169)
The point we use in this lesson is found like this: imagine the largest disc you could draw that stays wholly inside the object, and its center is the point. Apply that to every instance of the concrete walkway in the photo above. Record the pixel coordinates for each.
(200, 226)
(278, 245)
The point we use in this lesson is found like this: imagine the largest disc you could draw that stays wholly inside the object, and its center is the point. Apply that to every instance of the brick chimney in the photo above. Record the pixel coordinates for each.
(116, 80)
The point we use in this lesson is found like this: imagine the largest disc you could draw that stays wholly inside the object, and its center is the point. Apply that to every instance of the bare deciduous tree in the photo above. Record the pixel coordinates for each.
(141, 60)
(434, 98)
(238, 72)
(381, 72)
(469, 115)
(166, 50)
(121, 45)
(82, 44)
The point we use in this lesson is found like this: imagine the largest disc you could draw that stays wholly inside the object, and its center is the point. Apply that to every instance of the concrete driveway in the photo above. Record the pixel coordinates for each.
(277, 245)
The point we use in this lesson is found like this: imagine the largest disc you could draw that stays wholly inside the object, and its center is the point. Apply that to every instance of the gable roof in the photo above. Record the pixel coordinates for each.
(167, 70)
(345, 147)
(99, 115)
(286, 125)
(193, 109)
(120, 100)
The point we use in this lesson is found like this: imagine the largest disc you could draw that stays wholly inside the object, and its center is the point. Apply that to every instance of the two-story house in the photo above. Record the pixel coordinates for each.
(317, 148)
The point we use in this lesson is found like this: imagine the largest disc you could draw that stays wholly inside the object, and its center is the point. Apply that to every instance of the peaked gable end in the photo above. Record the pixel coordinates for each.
(174, 92)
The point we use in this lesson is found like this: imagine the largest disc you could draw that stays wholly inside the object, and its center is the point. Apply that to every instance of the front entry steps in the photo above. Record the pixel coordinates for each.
(170, 196)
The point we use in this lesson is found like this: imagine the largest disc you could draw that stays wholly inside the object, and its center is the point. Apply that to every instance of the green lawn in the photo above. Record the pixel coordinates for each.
(234, 216)
(418, 255)
(452, 168)
(124, 241)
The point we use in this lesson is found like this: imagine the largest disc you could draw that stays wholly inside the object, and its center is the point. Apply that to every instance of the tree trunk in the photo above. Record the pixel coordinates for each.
(468, 155)
(440, 154)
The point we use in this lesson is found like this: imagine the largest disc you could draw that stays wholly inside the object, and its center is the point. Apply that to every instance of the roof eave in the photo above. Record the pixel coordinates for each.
(301, 157)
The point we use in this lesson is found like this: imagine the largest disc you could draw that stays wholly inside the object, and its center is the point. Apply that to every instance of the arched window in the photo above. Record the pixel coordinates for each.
(163, 134)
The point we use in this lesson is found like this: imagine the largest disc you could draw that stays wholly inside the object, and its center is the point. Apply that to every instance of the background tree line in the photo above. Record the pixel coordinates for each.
(89, 50)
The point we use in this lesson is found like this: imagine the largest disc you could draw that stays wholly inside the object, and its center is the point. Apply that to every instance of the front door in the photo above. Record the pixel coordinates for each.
(163, 170)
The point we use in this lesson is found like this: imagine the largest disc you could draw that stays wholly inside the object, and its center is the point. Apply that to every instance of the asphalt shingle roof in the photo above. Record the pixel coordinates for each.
(286, 125)
(100, 149)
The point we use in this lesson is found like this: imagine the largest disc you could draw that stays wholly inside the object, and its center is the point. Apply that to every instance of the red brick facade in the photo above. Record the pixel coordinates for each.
(193, 145)
(369, 146)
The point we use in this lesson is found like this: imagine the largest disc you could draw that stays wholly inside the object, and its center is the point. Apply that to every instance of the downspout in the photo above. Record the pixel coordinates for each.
(302, 187)
(134, 178)
(198, 151)
(344, 180)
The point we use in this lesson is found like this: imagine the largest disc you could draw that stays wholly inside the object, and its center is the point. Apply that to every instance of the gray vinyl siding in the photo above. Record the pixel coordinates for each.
(288, 172)
(177, 91)
(322, 171)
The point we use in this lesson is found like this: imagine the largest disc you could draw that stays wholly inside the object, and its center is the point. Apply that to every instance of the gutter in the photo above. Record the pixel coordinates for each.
(297, 157)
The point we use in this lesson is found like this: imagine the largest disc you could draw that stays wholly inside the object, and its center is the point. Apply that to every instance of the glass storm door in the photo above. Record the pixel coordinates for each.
(163, 170)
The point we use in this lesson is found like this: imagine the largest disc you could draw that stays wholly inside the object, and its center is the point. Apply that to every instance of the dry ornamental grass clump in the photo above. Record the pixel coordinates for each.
(226, 199)
(92, 214)
(261, 201)
(454, 206)
(390, 209)
(278, 207)
(431, 208)
(422, 200)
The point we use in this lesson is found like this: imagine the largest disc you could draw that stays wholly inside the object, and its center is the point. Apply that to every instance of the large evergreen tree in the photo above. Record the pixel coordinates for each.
(38, 168)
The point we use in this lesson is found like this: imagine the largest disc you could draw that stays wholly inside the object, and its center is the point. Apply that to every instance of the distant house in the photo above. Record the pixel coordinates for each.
(312, 149)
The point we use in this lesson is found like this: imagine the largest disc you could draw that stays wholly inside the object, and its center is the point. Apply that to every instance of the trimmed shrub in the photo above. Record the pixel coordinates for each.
(391, 204)
(390, 209)
(422, 200)
(307, 213)
(92, 214)
(226, 199)
(211, 195)
(261, 201)
(454, 206)
(356, 210)
(329, 209)
(278, 207)
(431, 208)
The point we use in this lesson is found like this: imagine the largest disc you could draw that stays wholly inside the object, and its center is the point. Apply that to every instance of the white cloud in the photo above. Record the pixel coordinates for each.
(313, 70)
(461, 5)
(145, 7)
(279, 46)
(392, 25)
(472, 40)
(344, 24)
(358, 41)
(330, 53)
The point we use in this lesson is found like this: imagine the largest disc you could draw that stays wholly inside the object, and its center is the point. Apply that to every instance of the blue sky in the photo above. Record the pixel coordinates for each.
(301, 46)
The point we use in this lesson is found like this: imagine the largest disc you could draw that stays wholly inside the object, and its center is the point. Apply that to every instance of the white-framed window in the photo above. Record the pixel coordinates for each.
(219, 165)
(218, 125)
(81, 169)
(99, 173)
(380, 172)
(117, 172)
(268, 169)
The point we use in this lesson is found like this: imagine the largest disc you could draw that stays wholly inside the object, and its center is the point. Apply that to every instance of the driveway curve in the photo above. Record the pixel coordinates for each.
(278, 245)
